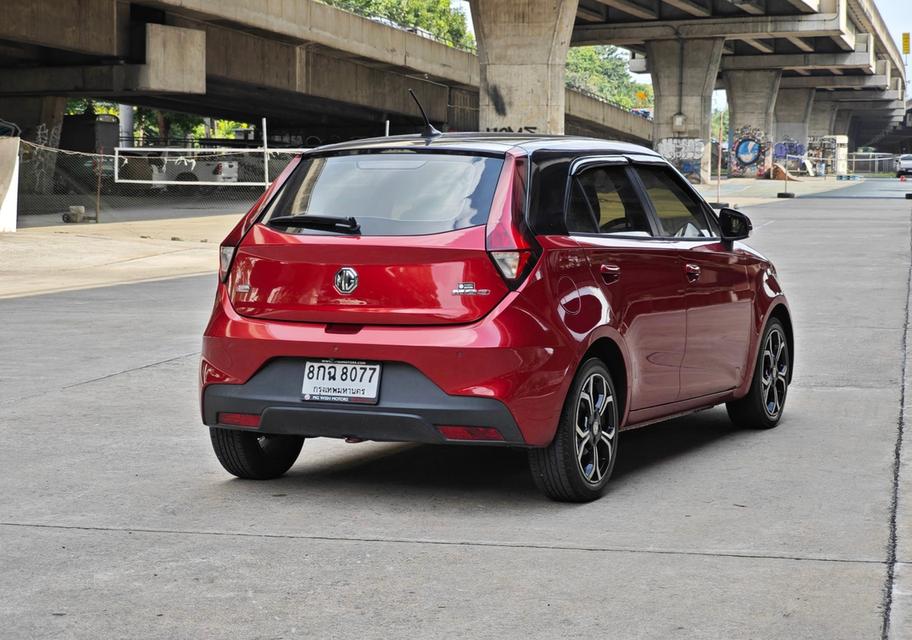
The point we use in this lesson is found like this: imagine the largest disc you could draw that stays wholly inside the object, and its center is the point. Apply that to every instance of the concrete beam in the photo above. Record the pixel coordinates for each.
(759, 45)
(627, 34)
(753, 7)
(175, 63)
(857, 60)
(631, 8)
(836, 82)
(81, 26)
(303, 21)
(691, 7)
(801, 44)
(594, 114)
(805, 6)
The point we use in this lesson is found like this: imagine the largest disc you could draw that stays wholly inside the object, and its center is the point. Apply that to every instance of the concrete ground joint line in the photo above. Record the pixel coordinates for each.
(140, 368)
(890, 581)
(453, 543)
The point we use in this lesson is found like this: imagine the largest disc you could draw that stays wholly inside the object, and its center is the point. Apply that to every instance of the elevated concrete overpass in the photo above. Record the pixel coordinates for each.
(304, 65)
(790, 68)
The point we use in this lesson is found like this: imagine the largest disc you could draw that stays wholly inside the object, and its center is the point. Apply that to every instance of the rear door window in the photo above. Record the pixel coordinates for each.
(391, 194)
(603, 200)
(680, 214)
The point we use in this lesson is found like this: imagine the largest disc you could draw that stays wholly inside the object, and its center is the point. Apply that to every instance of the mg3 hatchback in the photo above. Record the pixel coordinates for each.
(544, 293)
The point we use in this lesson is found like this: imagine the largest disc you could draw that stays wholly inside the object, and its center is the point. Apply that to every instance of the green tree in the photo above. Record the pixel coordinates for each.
(602, 70)
(434, 16)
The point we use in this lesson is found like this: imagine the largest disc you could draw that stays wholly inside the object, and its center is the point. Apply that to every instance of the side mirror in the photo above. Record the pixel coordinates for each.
(735, 225)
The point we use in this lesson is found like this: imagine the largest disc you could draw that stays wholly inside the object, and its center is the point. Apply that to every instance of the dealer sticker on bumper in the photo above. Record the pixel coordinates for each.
(341, 381)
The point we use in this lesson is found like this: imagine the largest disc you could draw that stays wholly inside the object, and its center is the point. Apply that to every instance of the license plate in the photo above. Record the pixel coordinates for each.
(341, 381)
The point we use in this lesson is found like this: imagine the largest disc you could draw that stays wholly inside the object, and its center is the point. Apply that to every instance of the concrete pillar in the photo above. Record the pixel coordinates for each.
(125, 113)
(39, 118)
(793, 118)
(842, 123)
(522, 50)
(751, 101)
(823, 118)
(683, 78)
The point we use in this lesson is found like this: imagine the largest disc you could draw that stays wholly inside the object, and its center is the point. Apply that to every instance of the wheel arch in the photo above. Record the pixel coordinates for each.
(609, 352)
(782, 314)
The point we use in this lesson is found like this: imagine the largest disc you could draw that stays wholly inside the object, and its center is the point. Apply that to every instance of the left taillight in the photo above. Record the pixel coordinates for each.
(230, 244)
(507, 239)
(226, 255)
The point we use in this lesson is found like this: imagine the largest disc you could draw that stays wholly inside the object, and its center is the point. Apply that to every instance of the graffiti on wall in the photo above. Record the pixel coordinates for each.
(750, 153)
(787, 147)
(686, 154)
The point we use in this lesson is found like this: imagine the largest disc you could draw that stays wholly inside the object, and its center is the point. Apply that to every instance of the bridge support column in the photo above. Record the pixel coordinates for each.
(40, 118)
(793, 119)
(522, 50)
(751, 100)
(683, 78)
(823, 119)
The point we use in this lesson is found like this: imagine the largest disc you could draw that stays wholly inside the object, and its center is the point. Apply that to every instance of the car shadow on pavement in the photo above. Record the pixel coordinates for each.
(495, 471)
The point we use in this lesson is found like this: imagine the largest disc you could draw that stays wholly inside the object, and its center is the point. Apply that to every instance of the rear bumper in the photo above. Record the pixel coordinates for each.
(516, 356)
(410, 408)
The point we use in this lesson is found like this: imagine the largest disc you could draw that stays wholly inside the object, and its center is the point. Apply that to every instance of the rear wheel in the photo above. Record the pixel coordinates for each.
(763, 405)
(255, 456)
(577, 464)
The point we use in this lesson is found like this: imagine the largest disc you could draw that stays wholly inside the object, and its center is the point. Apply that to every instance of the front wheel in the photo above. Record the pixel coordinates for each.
(255, 456)
(763, 405)
(577, 464)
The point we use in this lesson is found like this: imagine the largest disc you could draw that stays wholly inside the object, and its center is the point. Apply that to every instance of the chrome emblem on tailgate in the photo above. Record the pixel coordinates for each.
(346, 280)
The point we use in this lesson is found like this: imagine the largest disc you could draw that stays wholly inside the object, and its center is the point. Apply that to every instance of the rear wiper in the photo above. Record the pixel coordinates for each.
(311, 221)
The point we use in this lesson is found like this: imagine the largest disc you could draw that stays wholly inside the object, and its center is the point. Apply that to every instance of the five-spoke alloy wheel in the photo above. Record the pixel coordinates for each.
(577, 464)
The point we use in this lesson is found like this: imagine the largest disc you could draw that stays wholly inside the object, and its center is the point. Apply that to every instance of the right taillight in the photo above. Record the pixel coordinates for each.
(508, 241)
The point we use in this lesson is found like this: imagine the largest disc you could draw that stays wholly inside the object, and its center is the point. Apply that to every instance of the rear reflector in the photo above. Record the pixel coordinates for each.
(240, 419)
(470, 433)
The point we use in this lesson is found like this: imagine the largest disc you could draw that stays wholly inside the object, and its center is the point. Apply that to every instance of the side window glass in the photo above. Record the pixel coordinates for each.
(680, 214)
(603, 200)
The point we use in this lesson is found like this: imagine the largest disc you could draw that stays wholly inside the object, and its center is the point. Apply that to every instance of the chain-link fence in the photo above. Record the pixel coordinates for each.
(868, 163)
(137, 183)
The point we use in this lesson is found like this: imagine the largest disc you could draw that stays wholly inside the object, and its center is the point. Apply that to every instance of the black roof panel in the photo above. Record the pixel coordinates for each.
(492, 143)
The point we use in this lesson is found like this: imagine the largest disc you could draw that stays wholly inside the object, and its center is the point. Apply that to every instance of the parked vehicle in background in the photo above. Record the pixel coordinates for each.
(171, 167)
(904, 165)
(537, 292)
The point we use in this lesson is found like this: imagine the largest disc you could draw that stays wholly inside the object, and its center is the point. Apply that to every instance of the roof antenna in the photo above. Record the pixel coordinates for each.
(429, 130)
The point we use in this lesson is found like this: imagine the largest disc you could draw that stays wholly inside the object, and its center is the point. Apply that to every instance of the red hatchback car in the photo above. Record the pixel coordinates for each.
(537, 292)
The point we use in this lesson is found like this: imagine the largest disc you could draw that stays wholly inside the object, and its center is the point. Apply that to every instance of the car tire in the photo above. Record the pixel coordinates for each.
(569, 469)
(764, 404)
(255, 456)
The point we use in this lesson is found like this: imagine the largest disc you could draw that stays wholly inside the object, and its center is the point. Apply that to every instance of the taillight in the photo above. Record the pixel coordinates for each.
(233, 239)
(218, 169)
(508, 240)
(226, 255)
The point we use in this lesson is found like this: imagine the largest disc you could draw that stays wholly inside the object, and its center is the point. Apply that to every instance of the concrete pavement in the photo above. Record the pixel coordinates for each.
(117, 521)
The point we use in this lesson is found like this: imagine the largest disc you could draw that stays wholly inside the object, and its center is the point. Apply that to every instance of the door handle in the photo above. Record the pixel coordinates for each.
(692, 271)
(610, 273)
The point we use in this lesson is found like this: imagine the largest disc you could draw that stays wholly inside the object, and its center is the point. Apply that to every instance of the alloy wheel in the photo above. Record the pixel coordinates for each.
(595, 428)
(774, 380)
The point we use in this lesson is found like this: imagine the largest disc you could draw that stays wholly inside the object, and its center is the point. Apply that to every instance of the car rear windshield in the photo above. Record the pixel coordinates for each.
(391, 194)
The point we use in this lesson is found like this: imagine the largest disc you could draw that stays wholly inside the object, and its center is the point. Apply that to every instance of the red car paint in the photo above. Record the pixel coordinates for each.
(684, 342)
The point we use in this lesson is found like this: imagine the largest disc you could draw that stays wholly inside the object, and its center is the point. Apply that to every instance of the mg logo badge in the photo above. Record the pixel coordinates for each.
(346, 280)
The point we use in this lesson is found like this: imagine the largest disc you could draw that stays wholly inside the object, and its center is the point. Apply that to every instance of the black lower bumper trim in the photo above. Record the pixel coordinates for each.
(409, 408)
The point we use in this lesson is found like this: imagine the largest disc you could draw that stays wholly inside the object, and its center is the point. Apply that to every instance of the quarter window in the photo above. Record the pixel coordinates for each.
(603, 200)
(679, 213)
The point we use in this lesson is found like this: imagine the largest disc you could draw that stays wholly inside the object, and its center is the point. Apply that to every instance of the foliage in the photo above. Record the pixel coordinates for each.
(602, 70)
(434, 16)
(719, 115)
